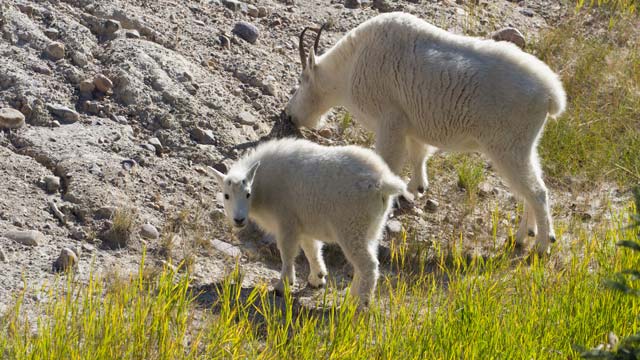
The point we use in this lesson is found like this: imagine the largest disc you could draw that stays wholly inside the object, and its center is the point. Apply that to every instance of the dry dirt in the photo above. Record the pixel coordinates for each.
(186, 92)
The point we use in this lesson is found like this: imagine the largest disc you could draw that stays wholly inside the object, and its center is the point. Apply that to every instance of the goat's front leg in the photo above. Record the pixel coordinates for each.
(391, 145)
(289, 247)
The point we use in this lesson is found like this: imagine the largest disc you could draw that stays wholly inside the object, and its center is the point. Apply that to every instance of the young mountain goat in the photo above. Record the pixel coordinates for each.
(419, 87)
(303, 192)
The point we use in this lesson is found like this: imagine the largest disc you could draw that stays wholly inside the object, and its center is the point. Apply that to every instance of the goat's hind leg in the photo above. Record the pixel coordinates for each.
(419, 153)
(525, 178)
(364, 259)
(527, 225)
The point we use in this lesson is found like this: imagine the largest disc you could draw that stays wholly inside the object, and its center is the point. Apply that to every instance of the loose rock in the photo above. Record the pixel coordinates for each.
(11, 119)
(148, 231)
(66, 261)
(66, 115)
(102, 83)
(394, 226)
(235, 5)
(52, 33)
(252, 11)
(3, 256)
(352, 4)
(51, 183)
(509, 34)
(132, 34)
(55, 50)
(86, 87)
(226, 248)
(202, 136)
(246, 31)
(29, 237)
(246, 118)
(431, 205)
(382, 5)
(111, 26)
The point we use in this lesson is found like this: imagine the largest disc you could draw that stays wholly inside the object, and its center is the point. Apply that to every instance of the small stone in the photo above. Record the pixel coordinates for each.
(262, 11)
(51, 183)
(226, 248)
(86, 87)
(79, 59)
(202, 136)
(78, 234)
(102, 83)
(111, 26)
(41, 69)
(105, 212)
(66, 261)
(246, 118)
(132, 34)
(235, 5)
(352, 4)
(394, 226)
(246, 31)
(156, 143)
(52, 33)
(511, 35)
(128, 164)
(11, 118)
(224, 42)
(29, 237)
(485, 189)
(252, 11)
(3, 256)
(326, 133)
(382, 5)
(527, 12)
(55, 50)
(431, 205)
(66, 115)
(148, 231)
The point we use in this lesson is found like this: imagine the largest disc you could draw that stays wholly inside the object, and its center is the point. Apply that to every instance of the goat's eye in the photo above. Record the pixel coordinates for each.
(248, 195)
(226, 196)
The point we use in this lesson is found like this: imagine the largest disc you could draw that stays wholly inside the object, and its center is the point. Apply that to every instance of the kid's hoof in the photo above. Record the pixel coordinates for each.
(317, 280)
(531, 233)
(552, 238)
(421, 189)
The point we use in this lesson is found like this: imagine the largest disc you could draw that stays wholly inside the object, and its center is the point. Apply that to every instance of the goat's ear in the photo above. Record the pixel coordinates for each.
(252, 172)
(311, 60)
(217, 175)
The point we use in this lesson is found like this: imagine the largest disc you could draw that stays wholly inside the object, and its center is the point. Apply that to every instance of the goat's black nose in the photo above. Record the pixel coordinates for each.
(239, 221)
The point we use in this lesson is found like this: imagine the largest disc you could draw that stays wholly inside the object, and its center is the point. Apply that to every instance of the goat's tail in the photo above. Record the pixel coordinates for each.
(393, 185)
(557, 97)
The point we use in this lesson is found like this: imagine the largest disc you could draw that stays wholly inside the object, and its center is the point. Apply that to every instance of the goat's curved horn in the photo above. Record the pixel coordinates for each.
(303, 55)
(319, 31)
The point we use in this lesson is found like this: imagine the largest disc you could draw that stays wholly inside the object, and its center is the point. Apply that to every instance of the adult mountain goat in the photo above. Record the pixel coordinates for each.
(304, 193)
(419, 87)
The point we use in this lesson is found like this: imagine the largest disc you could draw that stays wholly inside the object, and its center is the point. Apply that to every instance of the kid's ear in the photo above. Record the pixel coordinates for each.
(217, 175)
(252, 172)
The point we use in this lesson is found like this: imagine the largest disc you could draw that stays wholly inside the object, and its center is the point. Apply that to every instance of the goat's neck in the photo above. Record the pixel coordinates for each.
(335, 71)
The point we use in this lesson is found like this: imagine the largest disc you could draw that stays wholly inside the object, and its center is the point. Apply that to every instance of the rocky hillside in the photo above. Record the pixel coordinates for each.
(111, 109)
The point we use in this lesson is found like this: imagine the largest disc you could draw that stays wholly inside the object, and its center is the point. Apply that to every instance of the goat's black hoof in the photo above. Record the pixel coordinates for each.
(421, 189)
(531, 233)
(552, 238)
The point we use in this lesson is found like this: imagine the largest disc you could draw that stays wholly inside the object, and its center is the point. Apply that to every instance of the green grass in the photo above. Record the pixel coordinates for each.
(598, 137)
(499, 307)
(470, 174)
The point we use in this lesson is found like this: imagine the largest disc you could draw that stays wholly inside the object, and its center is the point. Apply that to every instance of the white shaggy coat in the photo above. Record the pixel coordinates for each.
(419, 87)
(305, 193)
